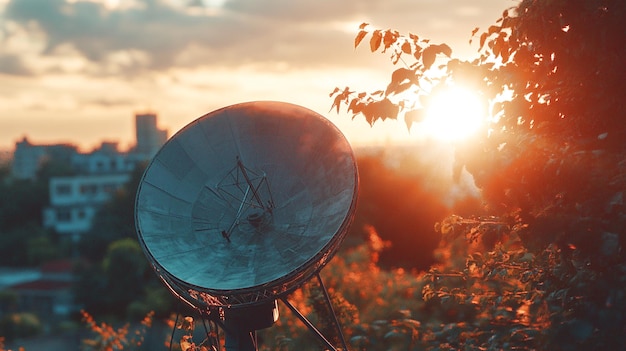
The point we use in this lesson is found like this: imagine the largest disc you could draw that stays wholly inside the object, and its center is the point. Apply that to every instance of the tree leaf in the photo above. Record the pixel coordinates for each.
(376, 39)
(418, 52)
(355, 106)
(428, 56)
(474, 31)
(494, 29)
(445, 49)
(337, 102)
(359, 37)
(483, 37)
(413, 116)
(402, 74)
(399, 80)
(406, 47)
(398, 88)
(389, 38)
(363, 25)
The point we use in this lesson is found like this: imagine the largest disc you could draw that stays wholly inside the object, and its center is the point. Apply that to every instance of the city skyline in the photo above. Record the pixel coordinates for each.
(78, 70)
(130, 146)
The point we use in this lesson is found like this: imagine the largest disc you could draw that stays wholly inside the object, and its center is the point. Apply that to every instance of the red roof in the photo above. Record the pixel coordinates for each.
(59, 266)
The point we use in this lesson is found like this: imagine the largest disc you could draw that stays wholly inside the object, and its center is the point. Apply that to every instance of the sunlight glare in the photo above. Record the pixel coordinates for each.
(453, 114)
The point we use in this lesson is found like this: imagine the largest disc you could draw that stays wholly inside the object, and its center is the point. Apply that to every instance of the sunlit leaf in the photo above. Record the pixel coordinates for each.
(474, 31)
(483, 37)
(363, 25)
(359, 38)
(414, 116)
(337, 102)
(185, 345)
(334, 92)
(406, 47)
(401, 74)
(418, 52)
(354, 106)
(509, 22)
(445, 49)
(398, 89)
(376, 40)
(494, 29)
(395, 57)
(389, 38)
(428, 56)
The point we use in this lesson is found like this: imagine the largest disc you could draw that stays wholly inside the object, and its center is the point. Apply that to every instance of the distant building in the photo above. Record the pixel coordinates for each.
(28, 158)
(75, 200)
(48, 293)
(106, 160)
(149, 137)
(6, 156)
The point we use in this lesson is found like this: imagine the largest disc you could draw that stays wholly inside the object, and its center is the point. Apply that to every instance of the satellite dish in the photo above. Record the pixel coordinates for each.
(246, 203)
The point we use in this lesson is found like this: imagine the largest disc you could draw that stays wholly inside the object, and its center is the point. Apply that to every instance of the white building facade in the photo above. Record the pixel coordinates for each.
(75, 200)
(28, 158)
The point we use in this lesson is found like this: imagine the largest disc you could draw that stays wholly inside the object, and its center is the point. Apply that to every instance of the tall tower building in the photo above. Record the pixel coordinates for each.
(149, 137)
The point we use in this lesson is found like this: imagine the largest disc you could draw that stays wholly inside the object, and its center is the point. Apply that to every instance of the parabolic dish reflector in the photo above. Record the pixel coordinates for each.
(246, 203)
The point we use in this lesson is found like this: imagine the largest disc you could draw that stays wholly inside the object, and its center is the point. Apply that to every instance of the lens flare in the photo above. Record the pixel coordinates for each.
(453, 113)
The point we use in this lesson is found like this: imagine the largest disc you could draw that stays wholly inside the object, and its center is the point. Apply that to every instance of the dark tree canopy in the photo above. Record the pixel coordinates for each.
(550, 164)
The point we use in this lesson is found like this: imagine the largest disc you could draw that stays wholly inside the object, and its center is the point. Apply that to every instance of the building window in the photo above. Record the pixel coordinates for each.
(63, 189)
(88, 189)
(64, 216)
(81, 214)
(109, 188)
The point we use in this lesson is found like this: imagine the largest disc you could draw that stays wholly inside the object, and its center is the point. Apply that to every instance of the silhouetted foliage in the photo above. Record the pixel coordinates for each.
(23, 240)
(19, 325)
(546, 269)
(109, 338)
(402, 210)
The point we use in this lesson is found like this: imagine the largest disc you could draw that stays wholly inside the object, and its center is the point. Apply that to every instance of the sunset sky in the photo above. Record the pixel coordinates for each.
(77, 71)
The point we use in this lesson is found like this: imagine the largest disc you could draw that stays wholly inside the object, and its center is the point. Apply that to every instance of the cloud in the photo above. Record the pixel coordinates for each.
(97, 33)
(164, 36)
(160, 31)
(13, 65)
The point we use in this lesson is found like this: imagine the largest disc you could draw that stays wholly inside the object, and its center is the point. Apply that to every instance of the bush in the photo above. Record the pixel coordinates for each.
(19, 325)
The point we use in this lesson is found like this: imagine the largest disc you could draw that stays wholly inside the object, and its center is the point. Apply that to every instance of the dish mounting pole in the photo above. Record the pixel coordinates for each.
(312, 327)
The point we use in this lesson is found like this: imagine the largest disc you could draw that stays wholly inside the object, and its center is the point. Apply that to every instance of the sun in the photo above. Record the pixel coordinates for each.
(453, 113)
